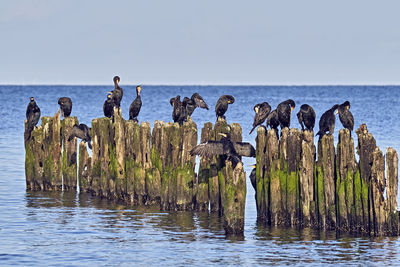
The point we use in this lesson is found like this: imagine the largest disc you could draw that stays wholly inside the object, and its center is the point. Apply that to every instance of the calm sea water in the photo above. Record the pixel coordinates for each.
(39, 228)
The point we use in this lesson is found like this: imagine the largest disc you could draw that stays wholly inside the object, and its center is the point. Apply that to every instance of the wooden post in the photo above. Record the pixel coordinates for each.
(69, 168)
(392, 163)
(117, 157)
(294, 144)
(345, 169)
(378, 185)
(325, 176)
(262, 202)
(273, 180)
(84, 170)
(307, 201)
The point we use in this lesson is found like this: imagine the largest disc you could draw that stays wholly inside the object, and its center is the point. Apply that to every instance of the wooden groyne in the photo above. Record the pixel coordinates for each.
(326, 188)
(133, 164)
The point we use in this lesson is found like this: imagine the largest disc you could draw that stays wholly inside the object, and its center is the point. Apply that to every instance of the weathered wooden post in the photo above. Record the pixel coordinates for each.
(43, 156)
(273, 179)
(84, 170)
(325, 182)
(306, 173)
(392, 163)
(117, 157)
(69, 166)
(262, 189)
(378, 185)
(345, 169)
(293, 176)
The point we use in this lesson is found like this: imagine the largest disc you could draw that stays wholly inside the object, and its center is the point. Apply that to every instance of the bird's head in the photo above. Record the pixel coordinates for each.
(346, 104)
(256, 108)
(335, 107)
(109, 95)
(292, 104)
(138, 89)
(116, 79)
(32, 99)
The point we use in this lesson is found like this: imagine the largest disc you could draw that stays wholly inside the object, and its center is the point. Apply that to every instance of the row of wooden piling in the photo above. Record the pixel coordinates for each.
(297, 185)
(133, 164)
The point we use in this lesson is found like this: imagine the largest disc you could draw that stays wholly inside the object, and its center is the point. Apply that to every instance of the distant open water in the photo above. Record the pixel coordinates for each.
(55, 228)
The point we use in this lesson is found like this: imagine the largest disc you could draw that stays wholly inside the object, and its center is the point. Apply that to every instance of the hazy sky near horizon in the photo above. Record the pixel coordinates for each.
(200, 42)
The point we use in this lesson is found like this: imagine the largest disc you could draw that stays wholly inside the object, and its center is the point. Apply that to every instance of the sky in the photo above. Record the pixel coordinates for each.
(224, 42)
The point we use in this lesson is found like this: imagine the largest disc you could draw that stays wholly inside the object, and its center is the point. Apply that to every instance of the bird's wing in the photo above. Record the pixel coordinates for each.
(208, 149)
(200, 102)
(76, 132)
(244, 149)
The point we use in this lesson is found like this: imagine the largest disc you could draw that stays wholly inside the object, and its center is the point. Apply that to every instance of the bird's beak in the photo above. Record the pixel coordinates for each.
(291, 109)
(256, 109)
(348, 107)
(336, 112)
(229, 102)
(222, 134)
(253, 166)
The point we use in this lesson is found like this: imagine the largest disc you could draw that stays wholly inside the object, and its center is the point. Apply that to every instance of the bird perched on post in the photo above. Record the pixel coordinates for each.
(65, 106)
(345, 116)
(108, 106)
(192, 103)
(306, 117)
(327, 121)
(262, 110)
(32, 118)
(284, 110)
(117, 93)
(179, 114)
(233, 151)
(81, 131)
(222, 105)
(135, 106)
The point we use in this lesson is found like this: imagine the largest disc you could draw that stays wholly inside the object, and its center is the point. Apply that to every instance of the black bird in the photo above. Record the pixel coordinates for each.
(232, 150)
(253, 177)
(262, 110)
(273, 120)
(179, 111)
(135, 106)
(222, 105)
(32, 117)
(345, 116)
(108, 106)
(306, 117)
(284, 112)
(327, 121)
(117, 93)
(65, 106)
(194, 102)
(81, 131)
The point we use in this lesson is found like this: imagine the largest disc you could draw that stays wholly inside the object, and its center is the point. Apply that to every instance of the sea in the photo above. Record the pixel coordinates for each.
(77, 229)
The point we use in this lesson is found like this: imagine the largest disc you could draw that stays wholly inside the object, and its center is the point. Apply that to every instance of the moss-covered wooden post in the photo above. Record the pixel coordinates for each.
(206, 170)
(293, 176)
(153, 176)
(306, 173)
(273, 180)
(325, 176)
(366, 147)
(84, 171)
(392, 172)
(261, 158)
(117, 157)
(101, 129)
(70, 152)
(43, 156)
(345, 169)
(186, 175)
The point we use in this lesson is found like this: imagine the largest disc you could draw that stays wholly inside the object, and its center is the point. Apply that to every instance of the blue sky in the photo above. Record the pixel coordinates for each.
(200, 42)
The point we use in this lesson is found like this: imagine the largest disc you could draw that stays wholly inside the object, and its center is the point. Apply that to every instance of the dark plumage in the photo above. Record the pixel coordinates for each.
(108, 106)
(232, 150)
(199, 101)
(284, 110)
(345, 116)
(253, 177)
(222, 105)
(327, 122)
(117, 93)
(194, 102)
(135, 106)
(32, 118)
(306, 117)
(65, 106)
(81, 131)
(273, 120)
(179, 112)
(262, 110)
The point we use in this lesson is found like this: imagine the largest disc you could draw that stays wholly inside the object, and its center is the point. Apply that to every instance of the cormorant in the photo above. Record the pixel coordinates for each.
(262, 110)
(306, 117)
(222, 105)
(192, 103)
(345, 116)
(81, 131)
(273, 120)
(135, 106)
(32, 117)
(284, 112)
(108, 106)
(179, 111)
(232, 150)
(65, 106)
(327, 121)
(117, 93)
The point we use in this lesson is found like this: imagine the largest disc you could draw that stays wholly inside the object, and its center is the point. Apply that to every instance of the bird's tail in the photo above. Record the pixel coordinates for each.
(319, 133)
(90, 144)
(252, 129)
